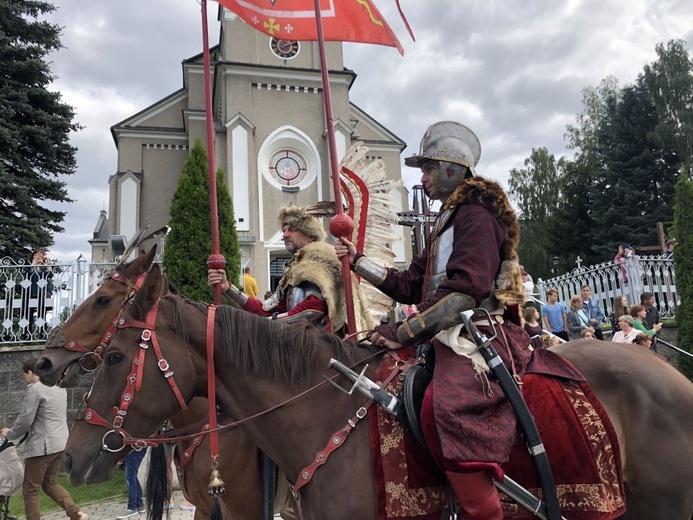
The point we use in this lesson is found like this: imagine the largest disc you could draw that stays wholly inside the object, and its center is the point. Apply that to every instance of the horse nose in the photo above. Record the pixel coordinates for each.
(43, 366)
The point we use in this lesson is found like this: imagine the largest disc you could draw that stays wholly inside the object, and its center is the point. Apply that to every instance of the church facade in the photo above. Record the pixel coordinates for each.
(270, 140)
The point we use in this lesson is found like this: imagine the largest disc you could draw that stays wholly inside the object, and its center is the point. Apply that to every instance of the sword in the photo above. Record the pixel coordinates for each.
(524, 416)
(366, 386)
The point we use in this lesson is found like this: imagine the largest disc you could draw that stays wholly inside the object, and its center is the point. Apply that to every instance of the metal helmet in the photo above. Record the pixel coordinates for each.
(448, 141)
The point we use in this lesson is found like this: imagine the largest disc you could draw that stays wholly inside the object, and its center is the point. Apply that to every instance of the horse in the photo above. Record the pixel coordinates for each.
(260, 363)
(86, 327)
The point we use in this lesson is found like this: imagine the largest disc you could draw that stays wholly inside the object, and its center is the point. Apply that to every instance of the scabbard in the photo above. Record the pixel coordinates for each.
(529, 427)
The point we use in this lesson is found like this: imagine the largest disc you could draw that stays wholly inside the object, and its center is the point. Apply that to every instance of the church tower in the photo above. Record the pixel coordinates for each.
(270, 139)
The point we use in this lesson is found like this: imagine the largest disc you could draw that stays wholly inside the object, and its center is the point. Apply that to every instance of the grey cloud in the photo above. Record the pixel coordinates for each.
(512, 70)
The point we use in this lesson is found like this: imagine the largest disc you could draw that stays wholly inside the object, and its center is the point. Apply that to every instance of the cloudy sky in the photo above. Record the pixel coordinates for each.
(512, 70)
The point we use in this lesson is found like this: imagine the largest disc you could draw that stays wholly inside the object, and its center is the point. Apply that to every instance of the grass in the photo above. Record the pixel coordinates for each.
(81, 495)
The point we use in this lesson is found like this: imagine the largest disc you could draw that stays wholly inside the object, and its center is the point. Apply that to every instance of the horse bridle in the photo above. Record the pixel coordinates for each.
(91, 359)
(134, 383)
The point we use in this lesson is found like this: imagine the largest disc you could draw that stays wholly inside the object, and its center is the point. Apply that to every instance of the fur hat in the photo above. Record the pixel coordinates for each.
(301, 220)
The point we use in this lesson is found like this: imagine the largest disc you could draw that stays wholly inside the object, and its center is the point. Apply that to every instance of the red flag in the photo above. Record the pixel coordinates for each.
(342, 20)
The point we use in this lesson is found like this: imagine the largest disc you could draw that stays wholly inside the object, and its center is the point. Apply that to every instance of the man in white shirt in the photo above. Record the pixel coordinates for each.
(627, 333)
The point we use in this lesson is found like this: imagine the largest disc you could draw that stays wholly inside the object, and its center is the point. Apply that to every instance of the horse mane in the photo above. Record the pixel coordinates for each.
(260, 346)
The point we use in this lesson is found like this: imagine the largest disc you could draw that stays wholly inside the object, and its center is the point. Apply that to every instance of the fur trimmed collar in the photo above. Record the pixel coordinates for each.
(490, 195)
(317, 263)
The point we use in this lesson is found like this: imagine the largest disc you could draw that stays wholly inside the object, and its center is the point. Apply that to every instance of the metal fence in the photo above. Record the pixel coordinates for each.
(34, 299)
(610, 279)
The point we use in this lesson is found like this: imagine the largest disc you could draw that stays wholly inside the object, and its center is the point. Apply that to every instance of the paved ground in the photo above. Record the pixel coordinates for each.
(109, 509)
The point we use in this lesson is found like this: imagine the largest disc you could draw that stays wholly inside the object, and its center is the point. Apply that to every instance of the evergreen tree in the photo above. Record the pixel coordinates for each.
(635, 179)
(570, 229)
(35, 126)
(683, 262)
(189, 243)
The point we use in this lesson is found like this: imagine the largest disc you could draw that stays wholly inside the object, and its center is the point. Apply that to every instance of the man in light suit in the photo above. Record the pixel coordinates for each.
(44, 418)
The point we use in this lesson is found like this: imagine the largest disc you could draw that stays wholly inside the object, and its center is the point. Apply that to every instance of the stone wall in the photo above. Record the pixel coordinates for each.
(12, 385)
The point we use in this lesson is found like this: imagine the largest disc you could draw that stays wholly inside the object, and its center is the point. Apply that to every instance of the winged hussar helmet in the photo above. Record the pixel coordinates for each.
(448, 141)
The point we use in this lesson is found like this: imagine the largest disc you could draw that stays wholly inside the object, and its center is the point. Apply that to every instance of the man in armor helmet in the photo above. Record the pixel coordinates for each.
(311, 288)
(469, 262)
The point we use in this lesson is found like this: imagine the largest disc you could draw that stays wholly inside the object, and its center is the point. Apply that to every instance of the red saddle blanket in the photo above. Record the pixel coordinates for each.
(579, 439)
(582, 447)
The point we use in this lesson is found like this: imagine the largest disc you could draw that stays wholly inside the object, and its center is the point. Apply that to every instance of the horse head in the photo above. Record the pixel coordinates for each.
(127, 400)
(69, 347)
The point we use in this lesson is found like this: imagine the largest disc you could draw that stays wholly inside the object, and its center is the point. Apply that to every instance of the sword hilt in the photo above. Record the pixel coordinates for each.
(367, 387)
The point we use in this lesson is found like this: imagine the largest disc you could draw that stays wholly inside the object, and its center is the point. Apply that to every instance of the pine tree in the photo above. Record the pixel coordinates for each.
(35, 126)
(634, 184)
(683, 262)
(189, 243)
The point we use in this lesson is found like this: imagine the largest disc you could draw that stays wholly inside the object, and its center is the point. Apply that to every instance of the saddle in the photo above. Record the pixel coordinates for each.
(587, 467)
(416, 380)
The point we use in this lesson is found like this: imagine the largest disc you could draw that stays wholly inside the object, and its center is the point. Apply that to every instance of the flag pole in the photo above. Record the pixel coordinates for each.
(215, 260)
(334, 167)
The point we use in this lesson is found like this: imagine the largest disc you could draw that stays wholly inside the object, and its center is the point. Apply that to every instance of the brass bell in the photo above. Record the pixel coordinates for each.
(216, 485)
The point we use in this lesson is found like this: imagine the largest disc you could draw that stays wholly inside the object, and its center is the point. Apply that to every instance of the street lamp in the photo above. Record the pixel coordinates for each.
(554, 264)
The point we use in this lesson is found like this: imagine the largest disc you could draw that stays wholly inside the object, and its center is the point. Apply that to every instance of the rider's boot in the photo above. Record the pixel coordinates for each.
(476, 495)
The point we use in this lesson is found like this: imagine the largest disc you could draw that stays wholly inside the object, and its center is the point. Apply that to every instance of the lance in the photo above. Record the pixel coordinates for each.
(215, 261)
(341, 225)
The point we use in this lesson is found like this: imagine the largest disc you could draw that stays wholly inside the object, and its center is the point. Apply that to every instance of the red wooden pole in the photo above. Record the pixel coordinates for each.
(215, 260)
(334, 164)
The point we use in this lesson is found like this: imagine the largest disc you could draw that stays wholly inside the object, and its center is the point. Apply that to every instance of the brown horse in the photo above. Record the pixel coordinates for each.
(260, 363)
(87, 326)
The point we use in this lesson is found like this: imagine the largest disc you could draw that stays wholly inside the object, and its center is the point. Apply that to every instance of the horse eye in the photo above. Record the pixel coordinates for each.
(103, 300)
(114, 358)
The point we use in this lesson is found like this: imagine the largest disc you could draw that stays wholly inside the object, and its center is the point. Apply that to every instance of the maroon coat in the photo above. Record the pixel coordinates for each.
(474, 421)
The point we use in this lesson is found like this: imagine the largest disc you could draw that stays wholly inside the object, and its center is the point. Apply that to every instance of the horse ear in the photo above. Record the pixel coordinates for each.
(141, 264)
(149, 294)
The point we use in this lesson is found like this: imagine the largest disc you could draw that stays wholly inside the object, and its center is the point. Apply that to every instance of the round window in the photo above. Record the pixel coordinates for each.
(288, 168)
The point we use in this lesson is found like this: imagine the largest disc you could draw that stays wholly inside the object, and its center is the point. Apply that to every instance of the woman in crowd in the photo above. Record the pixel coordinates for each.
(643, 340)
(577, 319)
(626, 332)
(588, 333)
(620, 307)
(639, 313)
(533, 327)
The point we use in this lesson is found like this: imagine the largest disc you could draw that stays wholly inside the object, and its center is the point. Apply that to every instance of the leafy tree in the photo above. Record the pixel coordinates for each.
(536, 189)
(190, 242)
(670, 83)
(683, 262)
(34, 129)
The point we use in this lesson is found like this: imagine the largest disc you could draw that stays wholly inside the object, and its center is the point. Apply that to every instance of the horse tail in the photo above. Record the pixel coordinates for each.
(158, 487)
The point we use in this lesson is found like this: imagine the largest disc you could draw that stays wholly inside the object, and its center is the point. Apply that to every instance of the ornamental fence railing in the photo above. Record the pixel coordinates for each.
(631, 278)
(34, 299)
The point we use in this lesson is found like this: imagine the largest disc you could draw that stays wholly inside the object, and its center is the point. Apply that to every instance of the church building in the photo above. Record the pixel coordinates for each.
(270, 140)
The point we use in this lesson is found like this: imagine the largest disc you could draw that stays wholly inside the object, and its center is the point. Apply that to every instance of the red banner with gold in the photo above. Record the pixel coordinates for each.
(342, 20)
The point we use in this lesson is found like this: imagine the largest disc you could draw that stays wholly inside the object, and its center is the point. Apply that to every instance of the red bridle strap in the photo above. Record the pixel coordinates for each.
(135, 377)
(73, 346)
(211, 384)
